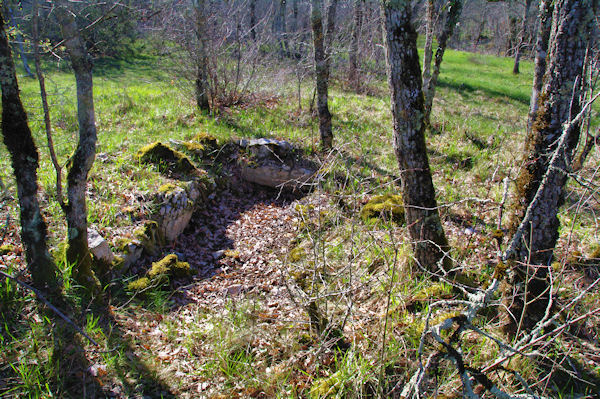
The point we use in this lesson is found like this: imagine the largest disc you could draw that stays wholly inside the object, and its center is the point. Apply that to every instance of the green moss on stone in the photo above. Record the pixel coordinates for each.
(206, 139)
(139, 284)
(169, 266)
(167, 188)
(167, 159)
(7, 249)
(160, 273)
(384, 206)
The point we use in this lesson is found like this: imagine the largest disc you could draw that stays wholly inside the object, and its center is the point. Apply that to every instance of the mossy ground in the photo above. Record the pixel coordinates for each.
(358, 274)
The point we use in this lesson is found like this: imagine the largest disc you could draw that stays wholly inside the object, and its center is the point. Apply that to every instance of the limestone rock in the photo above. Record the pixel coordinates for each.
(176, 202)
(99, 247)
(132, 253)
(275, 164)
(168, 160)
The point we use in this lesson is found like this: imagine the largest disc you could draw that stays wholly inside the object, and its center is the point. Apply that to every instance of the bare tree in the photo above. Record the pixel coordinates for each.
(540, 184)
(452, 12)
(78, 167)
(321, 56)
(24, 155)
(353, 56)
(523, 34)
(201, 58)
(404, 77)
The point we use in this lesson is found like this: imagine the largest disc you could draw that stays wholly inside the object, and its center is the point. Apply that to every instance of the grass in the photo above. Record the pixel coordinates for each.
(359, 274)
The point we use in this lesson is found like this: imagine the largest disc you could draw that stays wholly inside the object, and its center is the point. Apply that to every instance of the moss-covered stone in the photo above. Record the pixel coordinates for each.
(205, 139)
(161, 272)
(167, 159)
(7, 249)
(149, 236)
(384, 206)
(139, 284)
(169, 266)
(167, 188)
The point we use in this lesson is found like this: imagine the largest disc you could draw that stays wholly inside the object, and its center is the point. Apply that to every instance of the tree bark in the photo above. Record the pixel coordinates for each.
(24, 156)
(78, 167)
(541, 51)
(353, 56)
(253, 20)
(521, 37)
(44, 97)
(282, 33)
(201, 86)
(322, 69)
(428, 49)
(558, 103)
(452, 16)
(404, 77)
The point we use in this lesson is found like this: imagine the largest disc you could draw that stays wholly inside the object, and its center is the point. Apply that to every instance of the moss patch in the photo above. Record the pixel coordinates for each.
(384, 207)
(169, 265)
(160, 273)
(205, 139)
(139, 284)
(167, 159)
(149, 236)
(7, 249)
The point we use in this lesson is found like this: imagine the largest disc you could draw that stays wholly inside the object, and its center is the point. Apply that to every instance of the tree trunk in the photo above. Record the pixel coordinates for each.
(428, 49)
(19, 41)
(536, 221)
(78, 167)
(521, 37)
(253, 20)
(453, 14)
(44, 97)
(24, 156)
(201, 87)
(282, 33)
(322, 75)
(404, 77)
(353, 56)
(541, 51)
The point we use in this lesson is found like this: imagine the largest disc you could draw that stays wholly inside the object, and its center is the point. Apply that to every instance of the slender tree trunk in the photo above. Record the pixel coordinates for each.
(453, 14)
(404, 77)
(282, 33)
(81, 162)
(541, 51)
(522, 37)
(428, 49)
(512, 36)
(253, 20)
(322, 74)
(24, 156)
(558, 103)
(294, 31)
(353, 56)
(331, 12)
(20, 44)
(202, 86)
(44, 97)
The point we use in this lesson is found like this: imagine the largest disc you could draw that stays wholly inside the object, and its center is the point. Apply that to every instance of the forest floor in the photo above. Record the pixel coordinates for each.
(269, 264)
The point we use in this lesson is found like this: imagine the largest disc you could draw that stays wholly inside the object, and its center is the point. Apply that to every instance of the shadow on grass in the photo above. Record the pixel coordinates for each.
(467, 89)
